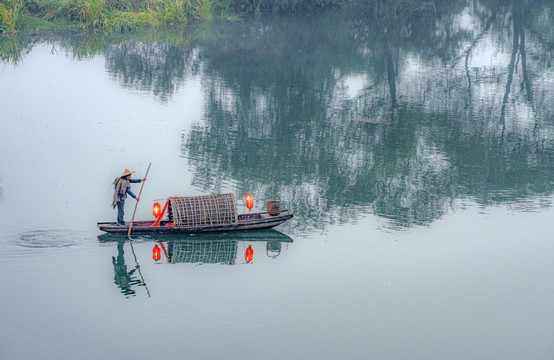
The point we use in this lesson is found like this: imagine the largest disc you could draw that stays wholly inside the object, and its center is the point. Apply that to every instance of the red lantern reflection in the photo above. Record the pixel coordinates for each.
(249, 201)
(156, 209)
(249, 254)
(156, 253)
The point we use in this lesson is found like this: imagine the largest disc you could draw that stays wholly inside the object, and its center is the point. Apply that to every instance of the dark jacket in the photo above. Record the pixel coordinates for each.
(123, 196)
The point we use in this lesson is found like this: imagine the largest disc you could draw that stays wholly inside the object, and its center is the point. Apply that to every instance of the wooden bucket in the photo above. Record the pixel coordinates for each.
(274, 205)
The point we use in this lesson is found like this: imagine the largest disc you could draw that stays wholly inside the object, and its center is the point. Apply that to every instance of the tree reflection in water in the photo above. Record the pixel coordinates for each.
(343, 115)
(422, 130)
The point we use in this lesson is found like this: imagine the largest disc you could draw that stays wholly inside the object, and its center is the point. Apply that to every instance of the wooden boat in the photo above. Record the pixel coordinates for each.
(197, 214)
(245, 222)
(263, 235)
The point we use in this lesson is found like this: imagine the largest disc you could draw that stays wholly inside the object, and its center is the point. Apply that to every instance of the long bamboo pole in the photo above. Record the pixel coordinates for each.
(140, 192)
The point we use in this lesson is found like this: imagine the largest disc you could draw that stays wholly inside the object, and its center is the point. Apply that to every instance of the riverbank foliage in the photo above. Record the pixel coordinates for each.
(10, 15)
(16, 15)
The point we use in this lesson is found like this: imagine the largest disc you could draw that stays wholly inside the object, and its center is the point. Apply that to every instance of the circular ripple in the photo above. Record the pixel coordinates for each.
(47, 239)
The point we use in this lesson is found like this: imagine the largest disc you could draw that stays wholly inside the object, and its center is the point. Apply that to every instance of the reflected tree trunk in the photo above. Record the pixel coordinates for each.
(477, 39)
(518, 47)
(391, 78)
(526, 80)
(515, 47)
(435, 7)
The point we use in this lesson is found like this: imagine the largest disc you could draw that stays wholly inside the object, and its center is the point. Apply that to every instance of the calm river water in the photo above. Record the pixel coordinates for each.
(418, 161)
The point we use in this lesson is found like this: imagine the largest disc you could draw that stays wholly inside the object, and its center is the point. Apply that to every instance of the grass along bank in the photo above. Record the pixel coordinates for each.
(11, 13)
(17, 15)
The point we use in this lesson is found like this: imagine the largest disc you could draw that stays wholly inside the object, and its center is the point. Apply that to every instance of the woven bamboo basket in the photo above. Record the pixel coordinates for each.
(274, 205)
(203, 210)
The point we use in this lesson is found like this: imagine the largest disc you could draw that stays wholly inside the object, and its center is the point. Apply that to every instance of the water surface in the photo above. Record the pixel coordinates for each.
(417, 159)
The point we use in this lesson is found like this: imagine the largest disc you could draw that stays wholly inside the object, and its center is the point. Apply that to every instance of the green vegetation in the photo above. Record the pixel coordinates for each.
(106, 14)
(10, 15)
(16, 15)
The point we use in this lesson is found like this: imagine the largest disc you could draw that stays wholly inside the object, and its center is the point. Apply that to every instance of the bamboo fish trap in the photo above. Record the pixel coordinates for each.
(203, 210)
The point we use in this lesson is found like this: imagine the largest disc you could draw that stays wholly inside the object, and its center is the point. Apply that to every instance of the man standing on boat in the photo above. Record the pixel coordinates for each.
(122, 186)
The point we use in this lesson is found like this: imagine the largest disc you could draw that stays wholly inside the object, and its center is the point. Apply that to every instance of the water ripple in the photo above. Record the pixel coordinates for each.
(48, 239)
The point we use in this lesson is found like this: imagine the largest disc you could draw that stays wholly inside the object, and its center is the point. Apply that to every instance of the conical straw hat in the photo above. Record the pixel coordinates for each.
(127, 172)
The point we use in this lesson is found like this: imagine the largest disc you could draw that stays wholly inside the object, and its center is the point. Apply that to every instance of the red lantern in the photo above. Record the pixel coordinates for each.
(249, 254)
(156, 253)
(156, 209)
(249, 201)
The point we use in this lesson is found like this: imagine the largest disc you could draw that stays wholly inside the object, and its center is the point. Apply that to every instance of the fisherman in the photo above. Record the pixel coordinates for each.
(122, 187)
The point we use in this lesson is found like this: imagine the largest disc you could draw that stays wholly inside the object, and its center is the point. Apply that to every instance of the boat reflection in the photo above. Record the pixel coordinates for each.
(216, 248)
(221, 249)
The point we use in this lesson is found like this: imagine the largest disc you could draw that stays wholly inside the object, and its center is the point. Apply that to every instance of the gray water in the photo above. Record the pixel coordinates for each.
(417, 160)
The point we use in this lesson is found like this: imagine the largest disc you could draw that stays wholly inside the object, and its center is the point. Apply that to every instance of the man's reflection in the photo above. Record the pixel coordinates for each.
(123, 279)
